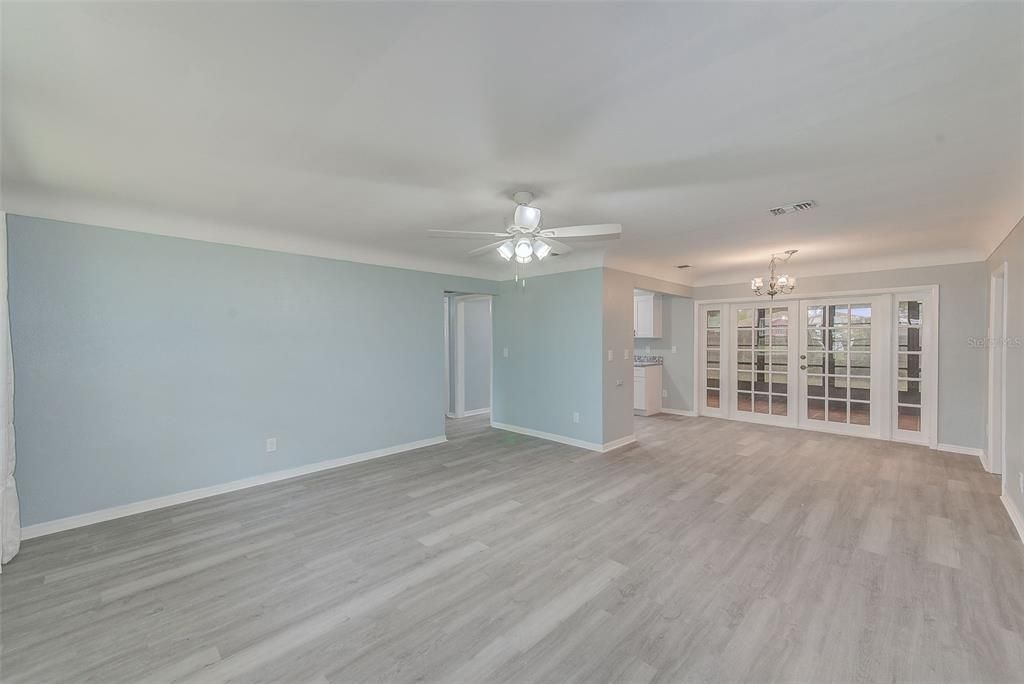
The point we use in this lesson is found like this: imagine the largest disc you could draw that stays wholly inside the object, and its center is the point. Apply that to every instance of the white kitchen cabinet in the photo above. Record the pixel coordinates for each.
(647, 389)
(646, 314)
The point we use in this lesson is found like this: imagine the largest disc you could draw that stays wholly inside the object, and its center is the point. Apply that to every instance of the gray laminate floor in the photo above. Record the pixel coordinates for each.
(711, 550)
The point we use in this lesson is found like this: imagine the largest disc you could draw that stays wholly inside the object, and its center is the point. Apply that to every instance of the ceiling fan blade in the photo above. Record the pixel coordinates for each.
(487, 248)
(465, 234)
(557, 248)
(607, 230)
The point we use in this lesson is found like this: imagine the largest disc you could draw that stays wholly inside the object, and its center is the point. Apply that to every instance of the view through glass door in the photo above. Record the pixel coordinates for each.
(853, 364)
(762, 347)
(840, 365)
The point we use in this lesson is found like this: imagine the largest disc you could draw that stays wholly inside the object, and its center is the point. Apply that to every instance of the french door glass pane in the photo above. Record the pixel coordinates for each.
(816, 409)
(909, 418)
(780, 404)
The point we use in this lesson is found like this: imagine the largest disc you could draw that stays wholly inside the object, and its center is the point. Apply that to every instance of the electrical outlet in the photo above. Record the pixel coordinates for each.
(504, 352)
(575, 416)
(611, 355)
(271, 444)
(1020, 482)
(673, 349)
(625, 355)
(664, 394)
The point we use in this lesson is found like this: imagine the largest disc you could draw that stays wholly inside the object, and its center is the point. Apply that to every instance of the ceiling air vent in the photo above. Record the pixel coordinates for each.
(792, 208)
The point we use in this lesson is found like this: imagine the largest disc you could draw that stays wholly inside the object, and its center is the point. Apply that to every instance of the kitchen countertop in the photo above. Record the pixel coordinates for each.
(645, 364)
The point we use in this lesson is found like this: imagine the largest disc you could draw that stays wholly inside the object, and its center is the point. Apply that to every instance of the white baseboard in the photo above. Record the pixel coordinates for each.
(967, 451)
(616, 443)
(679, 412)
(449, 414)
(476, 412)
(1015, 515)
(562, 439)
(71, 522)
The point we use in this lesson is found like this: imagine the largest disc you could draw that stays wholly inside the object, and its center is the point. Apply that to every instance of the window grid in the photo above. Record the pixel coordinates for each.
(909, 364)
(839, 363)
(713, 358)
(762, 360)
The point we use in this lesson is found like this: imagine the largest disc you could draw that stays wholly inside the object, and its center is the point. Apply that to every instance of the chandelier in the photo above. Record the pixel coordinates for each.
(777, 284)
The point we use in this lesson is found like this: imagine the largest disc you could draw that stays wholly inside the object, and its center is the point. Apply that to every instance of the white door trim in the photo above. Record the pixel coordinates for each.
(460, 354)
(823, 294)
(886, 372)
(996, 462)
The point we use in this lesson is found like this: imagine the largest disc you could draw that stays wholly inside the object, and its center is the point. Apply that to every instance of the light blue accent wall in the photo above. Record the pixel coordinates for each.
(618, 341)
(553, 330)
(477, 328)
(147, 365)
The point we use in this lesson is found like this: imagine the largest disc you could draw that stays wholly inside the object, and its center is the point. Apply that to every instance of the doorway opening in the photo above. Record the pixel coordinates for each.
(468, 356)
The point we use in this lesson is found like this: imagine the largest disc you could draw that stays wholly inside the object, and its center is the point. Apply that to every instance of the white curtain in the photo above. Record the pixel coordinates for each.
(10, 520)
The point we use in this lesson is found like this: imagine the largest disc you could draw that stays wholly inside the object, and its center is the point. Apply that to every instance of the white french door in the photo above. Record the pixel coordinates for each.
(843, 346)
(762, 352)
(847, 364)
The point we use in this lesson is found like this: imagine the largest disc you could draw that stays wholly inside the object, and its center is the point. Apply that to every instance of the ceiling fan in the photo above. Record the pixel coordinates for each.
(525, 239)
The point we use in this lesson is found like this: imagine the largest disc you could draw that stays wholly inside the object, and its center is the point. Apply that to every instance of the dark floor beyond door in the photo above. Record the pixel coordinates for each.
(711, 550)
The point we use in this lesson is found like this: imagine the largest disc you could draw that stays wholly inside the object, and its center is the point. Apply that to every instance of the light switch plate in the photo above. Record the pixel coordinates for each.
(611, 355)
(673, 349)
(504, 352)
(271, 444)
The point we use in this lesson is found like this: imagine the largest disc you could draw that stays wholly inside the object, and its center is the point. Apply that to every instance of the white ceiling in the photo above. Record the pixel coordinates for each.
(348, 129)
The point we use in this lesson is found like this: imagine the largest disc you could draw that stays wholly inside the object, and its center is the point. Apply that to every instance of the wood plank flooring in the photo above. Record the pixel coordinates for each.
(709, 551)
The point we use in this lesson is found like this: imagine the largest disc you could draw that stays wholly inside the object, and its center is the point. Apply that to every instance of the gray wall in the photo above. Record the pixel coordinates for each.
(552, 328)
(677, 332)
(1011, 251)
(148, 365)
(477, 368)
(963, 367)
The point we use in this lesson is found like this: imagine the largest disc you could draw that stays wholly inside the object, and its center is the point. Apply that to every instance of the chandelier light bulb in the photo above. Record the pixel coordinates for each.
(776, 284)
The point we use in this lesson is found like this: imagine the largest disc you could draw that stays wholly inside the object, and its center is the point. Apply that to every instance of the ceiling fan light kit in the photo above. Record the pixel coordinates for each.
(525, 239)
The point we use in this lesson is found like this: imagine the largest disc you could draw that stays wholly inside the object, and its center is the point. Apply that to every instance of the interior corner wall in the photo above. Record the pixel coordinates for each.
(148, 366)
(617, 373)
(1011, 252)
(963, 368)
(552, 329)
